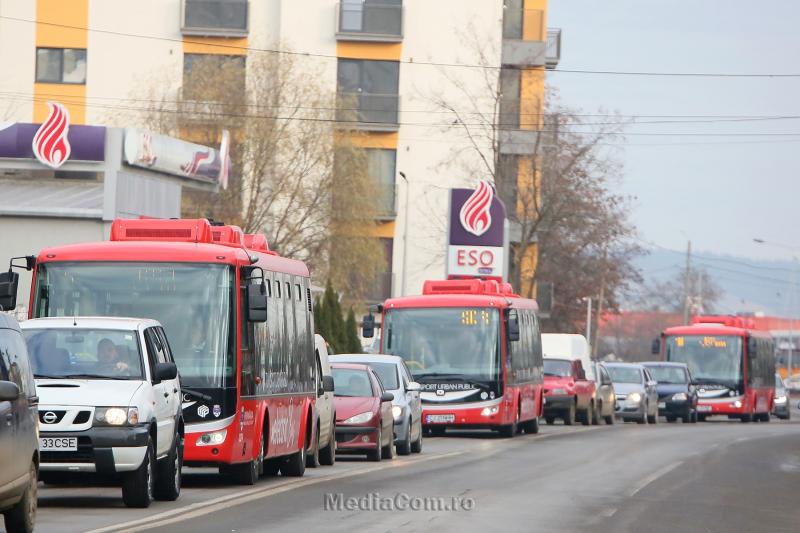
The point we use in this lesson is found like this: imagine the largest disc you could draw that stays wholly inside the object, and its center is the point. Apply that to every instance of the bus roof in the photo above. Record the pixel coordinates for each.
(163, 241)
(463, 293)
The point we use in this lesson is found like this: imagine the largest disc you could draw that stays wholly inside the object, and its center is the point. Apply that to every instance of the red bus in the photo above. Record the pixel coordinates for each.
(239, 322)
(475, 349)
(732, 364)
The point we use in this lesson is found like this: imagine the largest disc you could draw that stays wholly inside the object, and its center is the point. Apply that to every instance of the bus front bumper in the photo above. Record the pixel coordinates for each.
(475, 415)
(731, 405)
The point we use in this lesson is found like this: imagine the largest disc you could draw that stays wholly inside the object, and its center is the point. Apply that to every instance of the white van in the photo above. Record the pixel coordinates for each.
(109, 404)
(568, 346)
(325, 450)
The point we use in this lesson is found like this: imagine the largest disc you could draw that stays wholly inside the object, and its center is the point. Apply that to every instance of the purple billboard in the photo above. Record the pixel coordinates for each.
(86, 143)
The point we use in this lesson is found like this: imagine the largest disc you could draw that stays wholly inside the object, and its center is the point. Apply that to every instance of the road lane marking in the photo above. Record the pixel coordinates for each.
(652, 477)
(608, 513)
(223, 502)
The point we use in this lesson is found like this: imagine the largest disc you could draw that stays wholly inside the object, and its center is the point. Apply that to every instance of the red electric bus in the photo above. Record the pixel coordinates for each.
(732, 364)
(239, 323)
(475, 348)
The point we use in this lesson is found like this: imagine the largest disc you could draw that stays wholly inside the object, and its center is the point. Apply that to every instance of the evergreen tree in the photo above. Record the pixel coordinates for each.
(332, 319)
(351, 331)
(318, 316)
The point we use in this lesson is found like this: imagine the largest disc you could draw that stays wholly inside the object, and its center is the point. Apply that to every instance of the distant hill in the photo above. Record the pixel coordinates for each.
(748, 284)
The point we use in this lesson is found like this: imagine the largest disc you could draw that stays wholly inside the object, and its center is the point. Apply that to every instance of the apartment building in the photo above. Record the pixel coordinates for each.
(414, 79)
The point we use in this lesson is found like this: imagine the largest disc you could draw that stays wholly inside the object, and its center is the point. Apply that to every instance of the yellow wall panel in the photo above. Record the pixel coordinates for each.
(72, 96)
(534, 21)
(359, 50)
(62, 13)
(384, 230)
(532, 98)
(373, 139)
(215, 45)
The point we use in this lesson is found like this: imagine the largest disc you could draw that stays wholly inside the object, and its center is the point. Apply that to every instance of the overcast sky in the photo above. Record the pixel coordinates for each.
(720, 195)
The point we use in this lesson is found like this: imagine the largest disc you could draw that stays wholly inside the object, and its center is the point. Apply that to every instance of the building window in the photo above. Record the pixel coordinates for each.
(373, 17)
(215, 17)
(510, 99)
(506, 181)
(202, 69)
(368, 91)
(381, 168)
(512, 19)
(61, 65)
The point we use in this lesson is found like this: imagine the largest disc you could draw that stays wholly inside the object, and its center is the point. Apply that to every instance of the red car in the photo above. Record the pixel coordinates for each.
(364, 420)
(568, 394)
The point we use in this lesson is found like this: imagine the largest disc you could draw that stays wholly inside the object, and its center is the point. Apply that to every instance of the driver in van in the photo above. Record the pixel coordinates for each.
(108, 356)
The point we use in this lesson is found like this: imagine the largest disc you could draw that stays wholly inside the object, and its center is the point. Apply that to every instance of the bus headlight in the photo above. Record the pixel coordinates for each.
(680, 397)
(489, 411)
(212, 439)
(737, 404)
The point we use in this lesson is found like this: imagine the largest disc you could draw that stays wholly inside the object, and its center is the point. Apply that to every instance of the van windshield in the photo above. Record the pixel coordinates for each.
(85, 353)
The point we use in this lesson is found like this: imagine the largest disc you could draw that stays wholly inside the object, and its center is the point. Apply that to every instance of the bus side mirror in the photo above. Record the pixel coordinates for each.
(256, 303)
(513, 325)
(9, 281)
(368, 326)
(655, 348)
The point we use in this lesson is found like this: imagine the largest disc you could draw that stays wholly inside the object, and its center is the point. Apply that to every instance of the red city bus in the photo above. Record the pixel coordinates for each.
(475, 349)
(239, 322)
(732, 364)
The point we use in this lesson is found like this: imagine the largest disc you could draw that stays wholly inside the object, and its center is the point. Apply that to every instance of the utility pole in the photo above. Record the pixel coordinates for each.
(600, 299)
(405, 237)
(589, 319)
(791, 318)
(687, 282)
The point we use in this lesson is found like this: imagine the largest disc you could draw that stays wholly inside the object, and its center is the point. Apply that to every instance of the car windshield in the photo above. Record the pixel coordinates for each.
(557, 367)
(192, 302)
(624, 374)
(445, 341)
(349, 382)
(669, 374)
(84, 353)
(709, 358)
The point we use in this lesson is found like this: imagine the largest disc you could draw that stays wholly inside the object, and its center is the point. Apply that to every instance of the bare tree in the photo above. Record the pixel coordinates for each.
(704, 293)
(296, 175)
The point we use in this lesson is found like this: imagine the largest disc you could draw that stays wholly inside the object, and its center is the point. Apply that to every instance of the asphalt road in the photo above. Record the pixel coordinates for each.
(715, 476)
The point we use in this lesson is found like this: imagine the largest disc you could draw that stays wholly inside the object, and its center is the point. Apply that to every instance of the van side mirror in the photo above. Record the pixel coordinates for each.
(256, 303)
(513, 325)
(9, 282)
(327, 384)
(655, 348)
(165, 371)
(9, 391)
(387, 397)
(368, 326)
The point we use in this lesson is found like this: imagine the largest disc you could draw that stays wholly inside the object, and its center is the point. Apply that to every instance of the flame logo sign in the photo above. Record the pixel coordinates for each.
(50, 144)
(475, 215)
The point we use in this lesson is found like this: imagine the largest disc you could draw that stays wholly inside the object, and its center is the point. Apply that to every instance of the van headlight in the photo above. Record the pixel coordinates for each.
(679, 397)
(361, 418)
(214, 438)
(780, 399)
(634, 397)
(116, 416)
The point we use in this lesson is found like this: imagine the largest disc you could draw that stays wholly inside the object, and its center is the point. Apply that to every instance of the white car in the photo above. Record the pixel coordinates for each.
(325, 450)
(109, 404)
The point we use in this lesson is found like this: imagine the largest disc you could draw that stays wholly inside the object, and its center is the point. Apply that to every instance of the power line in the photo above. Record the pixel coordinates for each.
(712, 258)
(405, 61)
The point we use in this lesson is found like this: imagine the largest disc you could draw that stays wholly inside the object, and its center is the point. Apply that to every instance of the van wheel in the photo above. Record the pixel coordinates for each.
(327, 455)
(168, 480)
(404, 446)
(295, 464)
(375, 453)
(416, 446)
(312, 459)
(137, 486)
(596, 414)
(610, 420)
(22, 517)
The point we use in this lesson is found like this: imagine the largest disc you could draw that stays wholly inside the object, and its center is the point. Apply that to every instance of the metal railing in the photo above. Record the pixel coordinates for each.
(367, 110)
(223, 18)
(366, 21)
(553, 53)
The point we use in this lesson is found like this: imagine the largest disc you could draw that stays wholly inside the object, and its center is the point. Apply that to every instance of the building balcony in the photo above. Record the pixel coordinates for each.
(553, 53)
(522, 54)
(214, 18)
(518, 142)
(368, 111)
(360, 20)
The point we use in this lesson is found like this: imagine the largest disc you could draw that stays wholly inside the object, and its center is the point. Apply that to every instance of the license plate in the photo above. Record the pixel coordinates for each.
(703, 408)
(662, 405)
(58, 444)
(440, 419)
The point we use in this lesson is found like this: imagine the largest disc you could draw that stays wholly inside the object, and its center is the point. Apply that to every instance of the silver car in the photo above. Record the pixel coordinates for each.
(635, 388)
(406, 406)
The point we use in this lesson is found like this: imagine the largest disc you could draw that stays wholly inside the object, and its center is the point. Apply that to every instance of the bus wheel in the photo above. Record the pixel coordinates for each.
(747, 418)
(531, 427)
(295, 464)
(271, 467)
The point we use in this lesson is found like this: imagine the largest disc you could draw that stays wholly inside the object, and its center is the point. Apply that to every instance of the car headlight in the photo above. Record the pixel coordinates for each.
(634, 397)
(361, 418)
(680, 397)
(214, 438)
(116, 416)
(489, 411)
(559, 391)
(397, 411)
(780, 399)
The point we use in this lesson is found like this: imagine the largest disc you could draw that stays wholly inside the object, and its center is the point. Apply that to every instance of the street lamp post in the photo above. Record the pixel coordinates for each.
(405, 237)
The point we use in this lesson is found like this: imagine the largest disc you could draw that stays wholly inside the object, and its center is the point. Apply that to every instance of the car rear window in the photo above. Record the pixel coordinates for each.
(387, 372)
(350, 382)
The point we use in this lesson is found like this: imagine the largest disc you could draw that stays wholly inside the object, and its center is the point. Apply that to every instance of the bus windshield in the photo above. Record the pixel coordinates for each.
(711, 359)
(192, 302)
(445, 341)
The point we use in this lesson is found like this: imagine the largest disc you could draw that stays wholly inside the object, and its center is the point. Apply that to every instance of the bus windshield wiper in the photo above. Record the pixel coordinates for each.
(198, 394)
(438, 375)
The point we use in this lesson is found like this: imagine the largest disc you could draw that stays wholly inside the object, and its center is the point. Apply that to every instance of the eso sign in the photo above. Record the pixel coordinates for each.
(477, 234)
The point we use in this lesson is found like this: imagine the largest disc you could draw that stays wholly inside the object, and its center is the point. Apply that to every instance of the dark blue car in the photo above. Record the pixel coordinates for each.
(677, 395)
